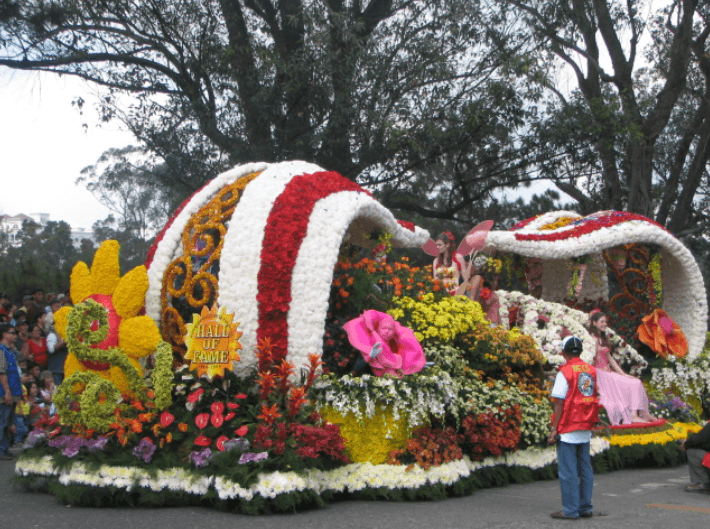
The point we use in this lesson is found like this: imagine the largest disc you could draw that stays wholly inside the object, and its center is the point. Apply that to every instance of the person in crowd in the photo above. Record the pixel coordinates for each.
(57, 348)
(10, 311)
(36, 406)
(697, 448)
(37, 347)
(46, 387)
(449, 265)
(32, 374)
(22, 336)
(4, 300)
(10, 390)
(575, 414)
(36, 308)
(51, 296)
(26, 304)
(623, 396)
(55, 305)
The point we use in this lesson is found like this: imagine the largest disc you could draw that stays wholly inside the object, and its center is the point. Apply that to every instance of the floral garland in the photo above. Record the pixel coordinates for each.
(678, 432)
(349, 478)
(555, 317)
(415, 397)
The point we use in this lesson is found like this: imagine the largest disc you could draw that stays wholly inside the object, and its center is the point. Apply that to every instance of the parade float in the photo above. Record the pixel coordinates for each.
(228, 371)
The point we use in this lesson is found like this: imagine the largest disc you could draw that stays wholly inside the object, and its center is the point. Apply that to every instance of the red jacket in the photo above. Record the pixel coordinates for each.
(580, 411)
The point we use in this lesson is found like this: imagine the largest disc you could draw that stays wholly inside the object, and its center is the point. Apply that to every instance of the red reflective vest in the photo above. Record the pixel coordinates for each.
(580, 411)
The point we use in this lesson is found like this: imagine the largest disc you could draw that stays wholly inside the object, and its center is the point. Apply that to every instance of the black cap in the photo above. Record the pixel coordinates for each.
(572, 345)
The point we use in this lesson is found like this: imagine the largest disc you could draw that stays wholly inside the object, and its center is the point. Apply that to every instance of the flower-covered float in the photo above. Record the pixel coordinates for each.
(264, 267)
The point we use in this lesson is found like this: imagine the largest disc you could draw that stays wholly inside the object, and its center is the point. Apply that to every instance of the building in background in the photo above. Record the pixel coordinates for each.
(11, 225)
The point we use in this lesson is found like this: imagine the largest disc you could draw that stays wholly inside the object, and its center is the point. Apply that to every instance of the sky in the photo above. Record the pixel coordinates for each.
(44, 146)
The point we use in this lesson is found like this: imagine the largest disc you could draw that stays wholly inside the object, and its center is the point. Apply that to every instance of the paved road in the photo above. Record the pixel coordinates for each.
(625, 499)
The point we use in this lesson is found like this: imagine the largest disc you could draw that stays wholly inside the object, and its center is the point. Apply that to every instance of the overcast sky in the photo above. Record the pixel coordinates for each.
(43, 147)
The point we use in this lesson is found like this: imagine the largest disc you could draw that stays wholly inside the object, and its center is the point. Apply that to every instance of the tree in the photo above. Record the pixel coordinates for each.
(372, 89)
(635, 133)
(44, 259)
(133, 187)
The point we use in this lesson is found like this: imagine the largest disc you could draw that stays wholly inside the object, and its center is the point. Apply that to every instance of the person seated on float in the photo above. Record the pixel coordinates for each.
(449, 265)
(623, 396)
(486, 296)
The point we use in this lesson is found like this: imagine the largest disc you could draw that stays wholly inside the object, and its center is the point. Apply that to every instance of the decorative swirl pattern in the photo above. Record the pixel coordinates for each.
(96, 397)
(190, 276)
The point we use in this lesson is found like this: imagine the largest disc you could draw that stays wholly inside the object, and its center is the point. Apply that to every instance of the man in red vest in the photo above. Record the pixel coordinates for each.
(575, 414)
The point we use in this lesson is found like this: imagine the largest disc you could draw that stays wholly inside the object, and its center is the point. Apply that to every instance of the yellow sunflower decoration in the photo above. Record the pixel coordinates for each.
(122, 298)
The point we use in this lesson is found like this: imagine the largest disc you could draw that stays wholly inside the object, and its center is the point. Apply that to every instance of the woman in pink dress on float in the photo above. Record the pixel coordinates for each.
(623, 396)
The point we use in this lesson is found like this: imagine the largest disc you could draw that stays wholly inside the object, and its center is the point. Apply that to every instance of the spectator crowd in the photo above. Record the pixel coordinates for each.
(32, 357)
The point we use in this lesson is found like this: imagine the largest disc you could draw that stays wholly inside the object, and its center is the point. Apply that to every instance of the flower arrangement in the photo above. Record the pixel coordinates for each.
(684, 293)
(120, 300)
(443, 320)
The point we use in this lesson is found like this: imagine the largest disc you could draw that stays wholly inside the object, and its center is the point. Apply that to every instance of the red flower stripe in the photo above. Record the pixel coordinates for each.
(154, 247)
(406, 224)
(285, 230)
(587, 225)
(524, 223)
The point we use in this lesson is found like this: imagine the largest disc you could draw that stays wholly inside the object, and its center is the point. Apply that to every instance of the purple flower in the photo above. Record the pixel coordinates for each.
(72, 447)
(59, 442)
(202, 458)
(144, 450)
(251, 457)
(34, 437)
(240, 444)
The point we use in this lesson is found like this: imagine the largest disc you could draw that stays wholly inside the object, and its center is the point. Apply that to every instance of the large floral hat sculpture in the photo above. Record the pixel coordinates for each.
(121, 299)
(278, 255)
(556, 237)
(386, 345)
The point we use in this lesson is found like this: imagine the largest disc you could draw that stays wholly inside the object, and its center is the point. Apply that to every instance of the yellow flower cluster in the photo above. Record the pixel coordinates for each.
(369, 440)
(559, 223)
(678, 432)
(443, 320)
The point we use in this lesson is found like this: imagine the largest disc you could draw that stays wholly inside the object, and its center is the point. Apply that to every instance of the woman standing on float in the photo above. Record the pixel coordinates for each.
(449, 265)
(622, 395)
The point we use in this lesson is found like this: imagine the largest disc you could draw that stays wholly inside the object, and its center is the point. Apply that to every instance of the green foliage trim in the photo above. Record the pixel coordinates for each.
(98, 398)
(163, 376)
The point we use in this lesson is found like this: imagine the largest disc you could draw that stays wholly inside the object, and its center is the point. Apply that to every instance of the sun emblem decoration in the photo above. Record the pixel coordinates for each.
(212, 342)
(123, 299)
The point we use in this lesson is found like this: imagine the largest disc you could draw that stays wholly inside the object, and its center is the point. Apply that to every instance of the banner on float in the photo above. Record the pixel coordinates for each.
(212, 342)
